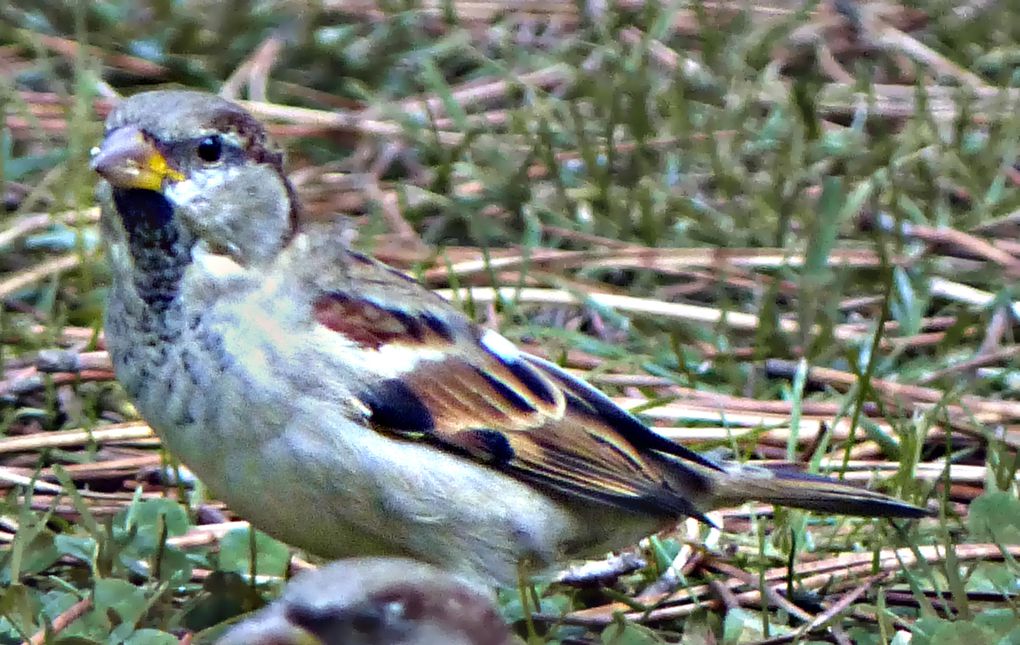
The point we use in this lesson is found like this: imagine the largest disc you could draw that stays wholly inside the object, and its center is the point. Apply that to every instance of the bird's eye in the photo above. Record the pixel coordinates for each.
(210, 149)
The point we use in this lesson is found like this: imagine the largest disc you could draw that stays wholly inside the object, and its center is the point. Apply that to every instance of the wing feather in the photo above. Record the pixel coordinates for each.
(475, 393)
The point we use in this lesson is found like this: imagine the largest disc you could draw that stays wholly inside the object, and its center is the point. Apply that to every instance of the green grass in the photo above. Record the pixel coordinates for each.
(809, 269)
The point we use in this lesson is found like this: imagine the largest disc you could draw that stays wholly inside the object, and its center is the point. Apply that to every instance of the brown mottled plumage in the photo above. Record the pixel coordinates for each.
(374, 601)
(341, 406)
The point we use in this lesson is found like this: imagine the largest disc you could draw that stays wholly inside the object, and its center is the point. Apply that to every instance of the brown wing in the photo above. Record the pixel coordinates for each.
(474, 392)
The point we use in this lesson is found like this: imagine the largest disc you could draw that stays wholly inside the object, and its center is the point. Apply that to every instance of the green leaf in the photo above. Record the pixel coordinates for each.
(175, 566)
(121, 597)
(272, 556)
(1012, 638)
(39, 554)
(144, 522)
(77, 547)
(823, 239)
(19, 606)
(629, 634)
(741, 626)
(92, 624)
(744, 626)
(995, 516)
(935, 631)
(994, 577)
(15, 169)
(1000, 620)
(509, 601)
(224, 596)
(151, 637)
(961, 633)
(151, 512)
(666, 549)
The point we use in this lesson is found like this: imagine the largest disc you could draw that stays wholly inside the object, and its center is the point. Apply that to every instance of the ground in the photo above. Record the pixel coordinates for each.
(785, 231)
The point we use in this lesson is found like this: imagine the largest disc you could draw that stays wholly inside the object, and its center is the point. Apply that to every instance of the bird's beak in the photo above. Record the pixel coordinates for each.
(127, 159)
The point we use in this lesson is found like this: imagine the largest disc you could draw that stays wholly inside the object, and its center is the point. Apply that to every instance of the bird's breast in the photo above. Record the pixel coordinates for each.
(254, 404)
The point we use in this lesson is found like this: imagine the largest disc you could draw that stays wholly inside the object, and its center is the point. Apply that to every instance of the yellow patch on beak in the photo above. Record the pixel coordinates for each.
(127, 159)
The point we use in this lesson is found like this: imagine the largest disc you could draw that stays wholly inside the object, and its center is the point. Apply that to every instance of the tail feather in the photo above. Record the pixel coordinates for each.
(784, 485)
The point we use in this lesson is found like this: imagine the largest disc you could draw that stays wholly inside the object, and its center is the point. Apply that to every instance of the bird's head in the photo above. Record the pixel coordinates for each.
(181, 168)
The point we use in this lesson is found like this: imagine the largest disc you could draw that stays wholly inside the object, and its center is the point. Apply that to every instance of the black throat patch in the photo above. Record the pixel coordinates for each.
(159, 250)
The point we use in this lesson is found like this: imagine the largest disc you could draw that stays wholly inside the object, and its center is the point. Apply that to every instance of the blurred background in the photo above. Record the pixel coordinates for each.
(785, 230)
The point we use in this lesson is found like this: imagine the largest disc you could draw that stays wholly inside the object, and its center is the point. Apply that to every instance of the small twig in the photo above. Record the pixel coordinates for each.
(600, 572)
(771, 593)
(339, 120)
(843, 603)
(828, 64)
(895, 391)
(957, 292)
(61, 622)
(889, 37)
(665, 56)
(61, 360)
(254, 71)
(980, 359)
(70, 48)
(950, 240)
(65, 438)
(37, 273)
(814, 575)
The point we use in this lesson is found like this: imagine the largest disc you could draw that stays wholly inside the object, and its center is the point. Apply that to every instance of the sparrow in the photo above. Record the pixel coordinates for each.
(345, 409)
(374, 601)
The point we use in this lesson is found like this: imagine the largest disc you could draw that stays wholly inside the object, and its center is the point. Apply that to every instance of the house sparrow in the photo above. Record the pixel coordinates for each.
(339, 405)
(374, 601)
